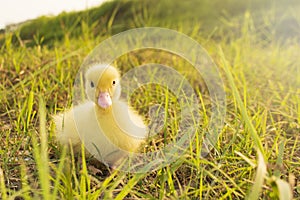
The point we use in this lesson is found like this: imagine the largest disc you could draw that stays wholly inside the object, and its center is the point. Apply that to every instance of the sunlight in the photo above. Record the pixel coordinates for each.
(16, 11)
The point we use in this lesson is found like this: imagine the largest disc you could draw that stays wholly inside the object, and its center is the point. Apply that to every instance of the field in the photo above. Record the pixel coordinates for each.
(255, 46)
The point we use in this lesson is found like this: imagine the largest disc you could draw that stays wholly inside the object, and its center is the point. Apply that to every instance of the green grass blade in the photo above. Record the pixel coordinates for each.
(261, 168)
(41, 153)
(279, 160)
(128, 187)
(29, 107)
(259, 178)
(59, 172)
(84, 180)
(241, 105)
(25, 186)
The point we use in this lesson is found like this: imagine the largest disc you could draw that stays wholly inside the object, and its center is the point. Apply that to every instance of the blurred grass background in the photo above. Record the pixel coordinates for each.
(116, 16)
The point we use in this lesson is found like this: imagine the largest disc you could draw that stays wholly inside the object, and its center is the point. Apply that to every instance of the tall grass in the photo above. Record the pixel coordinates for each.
(257, 153)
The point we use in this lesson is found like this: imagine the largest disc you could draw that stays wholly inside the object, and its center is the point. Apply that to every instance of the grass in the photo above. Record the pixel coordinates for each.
(255, 47)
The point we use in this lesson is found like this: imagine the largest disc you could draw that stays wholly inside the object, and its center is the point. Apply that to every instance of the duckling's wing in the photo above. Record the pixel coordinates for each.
(129, 121)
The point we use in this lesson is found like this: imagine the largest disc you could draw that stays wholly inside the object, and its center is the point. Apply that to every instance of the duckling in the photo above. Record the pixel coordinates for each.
(109, 128)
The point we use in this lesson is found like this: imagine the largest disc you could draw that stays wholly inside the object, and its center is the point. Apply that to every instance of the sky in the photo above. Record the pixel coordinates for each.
(15, 11)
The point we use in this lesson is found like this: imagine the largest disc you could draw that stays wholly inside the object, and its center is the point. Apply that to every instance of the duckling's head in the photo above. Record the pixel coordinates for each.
(102, 85)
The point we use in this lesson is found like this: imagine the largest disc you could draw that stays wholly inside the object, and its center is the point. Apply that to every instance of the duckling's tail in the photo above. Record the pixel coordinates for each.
(66, 132)
(58, 121)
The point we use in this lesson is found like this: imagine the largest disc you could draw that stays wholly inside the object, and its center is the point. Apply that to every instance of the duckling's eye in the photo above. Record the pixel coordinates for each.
(114, 83)
(92, 84)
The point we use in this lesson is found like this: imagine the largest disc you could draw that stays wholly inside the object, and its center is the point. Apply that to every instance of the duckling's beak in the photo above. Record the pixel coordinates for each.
(104, 100)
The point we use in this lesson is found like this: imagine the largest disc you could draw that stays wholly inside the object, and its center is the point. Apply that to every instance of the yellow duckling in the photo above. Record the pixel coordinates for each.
(109, 128)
